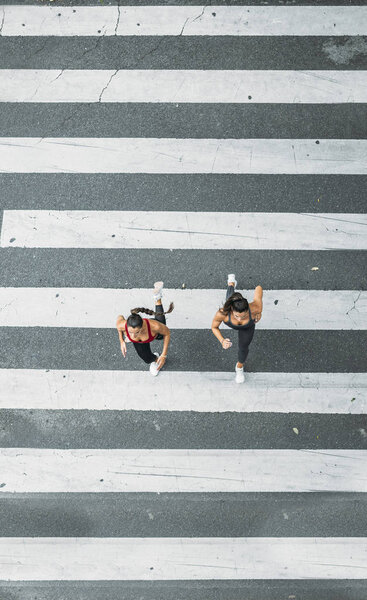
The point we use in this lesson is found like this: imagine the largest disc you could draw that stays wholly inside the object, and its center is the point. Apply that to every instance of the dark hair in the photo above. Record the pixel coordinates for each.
(235, 302)
(135, 320)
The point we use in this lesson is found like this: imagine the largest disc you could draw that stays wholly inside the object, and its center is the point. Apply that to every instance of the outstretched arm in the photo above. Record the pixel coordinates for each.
(158, 327)
(120, 324)
(258, 302)
(218, 319)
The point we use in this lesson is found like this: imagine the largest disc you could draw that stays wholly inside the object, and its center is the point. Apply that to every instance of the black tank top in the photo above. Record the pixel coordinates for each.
(251, 322)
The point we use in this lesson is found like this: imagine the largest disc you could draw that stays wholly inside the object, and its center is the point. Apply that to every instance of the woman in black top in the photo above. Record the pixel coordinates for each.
(241, 315)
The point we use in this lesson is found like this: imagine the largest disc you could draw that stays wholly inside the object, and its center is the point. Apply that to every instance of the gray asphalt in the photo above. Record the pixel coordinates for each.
(186, 515)
(196, 192)
(175, 52)
(197, 269)
(194, 2)
(152, 429)
(236, 121)
(187, 590)
(271, 350)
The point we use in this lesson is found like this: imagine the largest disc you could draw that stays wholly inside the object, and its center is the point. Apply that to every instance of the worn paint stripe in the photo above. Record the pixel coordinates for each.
(184, 155)
(28, 470)
(99, 307)
(334, 393)
(182, 558)
(183, 230)
(183, 20)
(189, 86)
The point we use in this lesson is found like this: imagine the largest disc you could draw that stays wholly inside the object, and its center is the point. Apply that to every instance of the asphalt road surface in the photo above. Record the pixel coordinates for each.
(179, 142)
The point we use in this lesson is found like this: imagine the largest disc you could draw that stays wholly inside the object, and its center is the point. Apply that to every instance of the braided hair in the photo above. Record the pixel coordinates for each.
(235, 302)
(135, 320)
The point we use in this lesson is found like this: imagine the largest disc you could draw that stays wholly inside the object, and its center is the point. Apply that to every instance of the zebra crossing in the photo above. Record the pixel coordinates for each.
(321, 393)
(153, 558)
(189, 86)
(81, 307)
(170, 156)
(182, 142)
(34, 470)
(183, 20)
(183, 230)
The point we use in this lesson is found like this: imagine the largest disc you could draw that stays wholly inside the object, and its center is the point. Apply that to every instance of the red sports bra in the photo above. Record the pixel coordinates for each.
(150, 338)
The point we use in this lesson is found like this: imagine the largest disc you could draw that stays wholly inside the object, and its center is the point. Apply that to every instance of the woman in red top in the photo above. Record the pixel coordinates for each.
(143, 331)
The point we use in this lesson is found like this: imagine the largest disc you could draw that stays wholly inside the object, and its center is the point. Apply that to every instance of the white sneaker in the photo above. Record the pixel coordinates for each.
(231, 279)
(153, 368)
(240, 376)
(157, 291)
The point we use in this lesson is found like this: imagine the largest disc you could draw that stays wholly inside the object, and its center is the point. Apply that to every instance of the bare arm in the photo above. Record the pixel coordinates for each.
(120, 324)
(218, 319)
(158, 327)
(257, 303)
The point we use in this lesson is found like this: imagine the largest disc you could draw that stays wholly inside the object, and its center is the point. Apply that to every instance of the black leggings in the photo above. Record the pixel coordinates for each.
(144, 350)
(245, 334)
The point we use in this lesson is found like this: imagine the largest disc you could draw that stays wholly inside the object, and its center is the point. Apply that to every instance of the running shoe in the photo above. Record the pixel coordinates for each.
(157, 290)
(231, 279)
(240, 376)
(153, 368)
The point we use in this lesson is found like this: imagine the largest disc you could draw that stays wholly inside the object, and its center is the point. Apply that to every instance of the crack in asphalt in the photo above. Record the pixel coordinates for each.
(107, 84)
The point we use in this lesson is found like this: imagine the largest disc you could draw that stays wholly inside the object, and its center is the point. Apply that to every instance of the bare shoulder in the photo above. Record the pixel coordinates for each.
(120, 323)
(157, 326)
(154, 324)
(255, 305)
(219, 316)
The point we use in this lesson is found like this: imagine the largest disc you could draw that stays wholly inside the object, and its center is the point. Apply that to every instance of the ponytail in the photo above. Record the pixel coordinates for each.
(135, 320)
(235, 302)
(148, 311)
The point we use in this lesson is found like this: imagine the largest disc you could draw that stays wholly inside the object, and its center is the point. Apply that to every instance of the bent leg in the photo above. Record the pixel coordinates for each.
(159, 309)
(230, 291)
(145, 353)
(159, 317)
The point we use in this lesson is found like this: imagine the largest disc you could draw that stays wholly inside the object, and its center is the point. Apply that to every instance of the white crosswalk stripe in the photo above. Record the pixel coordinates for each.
(183, 230)
(165, 155)
(183, 558)
(246, 87)
(184, 20)
(98, 307)
(57, 443)
(322, 393)
(33, 470)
